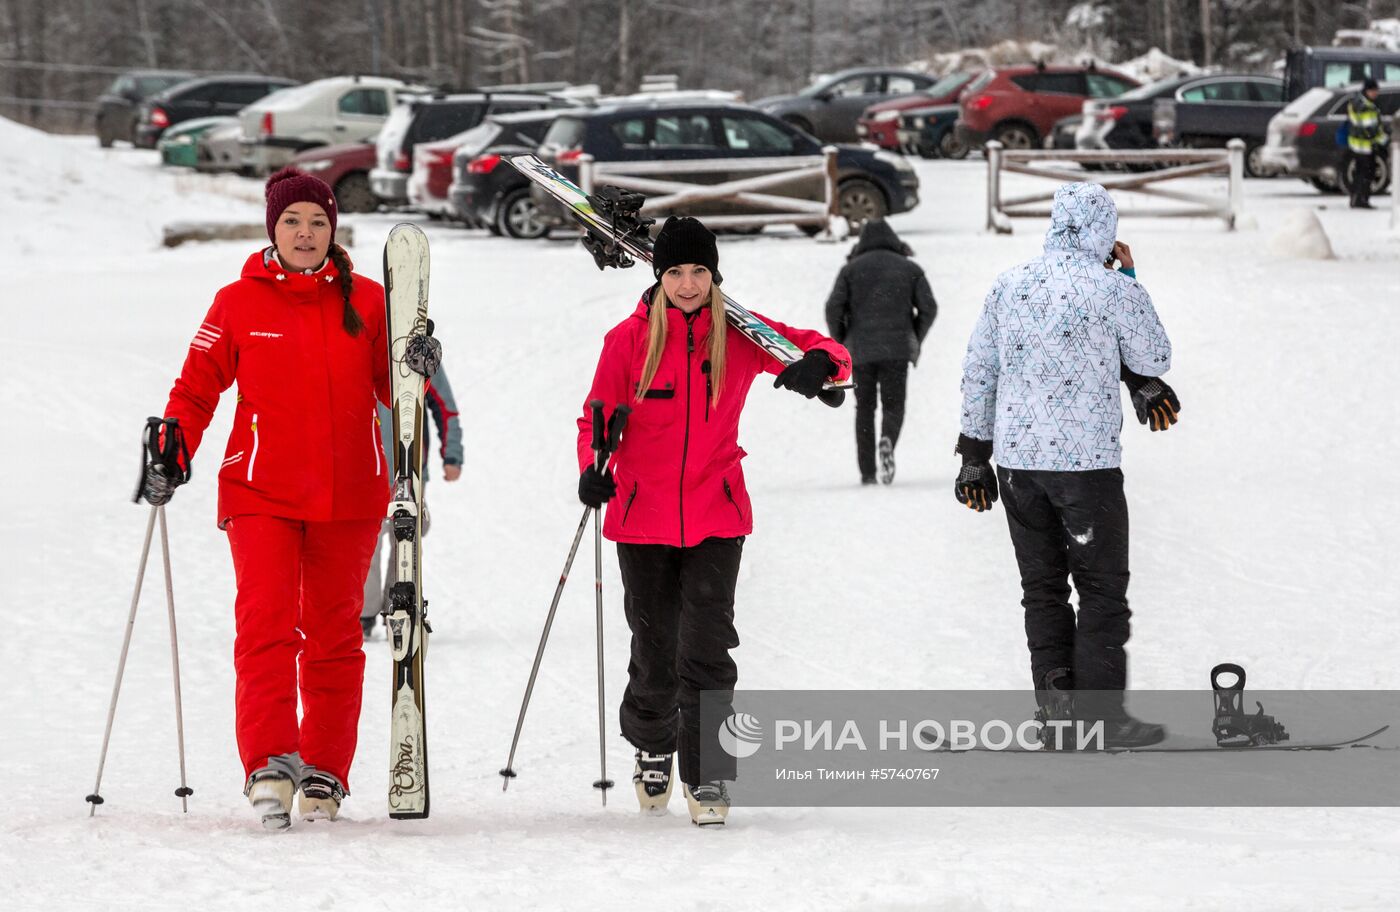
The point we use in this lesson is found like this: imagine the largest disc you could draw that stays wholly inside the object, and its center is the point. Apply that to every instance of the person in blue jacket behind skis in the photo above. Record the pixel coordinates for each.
(442, 405)
(1040, 395)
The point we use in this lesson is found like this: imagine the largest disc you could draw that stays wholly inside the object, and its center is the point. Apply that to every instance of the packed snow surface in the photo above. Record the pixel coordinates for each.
(1264, 532)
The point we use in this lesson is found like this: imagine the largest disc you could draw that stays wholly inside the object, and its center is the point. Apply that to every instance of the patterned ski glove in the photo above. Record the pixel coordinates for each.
(157, 487)
(1154, 401)
(807, 375)
(976, 487)
(423, 355)
(596, 488)
(164, 461)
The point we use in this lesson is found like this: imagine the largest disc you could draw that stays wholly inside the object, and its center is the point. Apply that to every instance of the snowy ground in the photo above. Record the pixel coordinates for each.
(1263, 531)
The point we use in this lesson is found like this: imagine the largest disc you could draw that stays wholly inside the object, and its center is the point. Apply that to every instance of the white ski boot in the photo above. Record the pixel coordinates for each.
(653, 780)
(709, 803)
(270, 794)
(321, 795)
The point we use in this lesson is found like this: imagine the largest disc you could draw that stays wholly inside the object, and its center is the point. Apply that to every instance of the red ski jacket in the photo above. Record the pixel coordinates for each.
(305, 441)
(677, 471)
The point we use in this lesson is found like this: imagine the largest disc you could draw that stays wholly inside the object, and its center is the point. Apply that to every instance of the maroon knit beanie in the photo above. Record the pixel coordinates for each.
(290, 186)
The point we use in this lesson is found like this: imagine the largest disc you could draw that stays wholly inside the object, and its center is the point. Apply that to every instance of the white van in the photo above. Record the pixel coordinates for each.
(341, 109)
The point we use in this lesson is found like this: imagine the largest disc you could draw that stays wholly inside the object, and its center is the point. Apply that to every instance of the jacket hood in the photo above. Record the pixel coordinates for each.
(878, 235)
(1084, 220)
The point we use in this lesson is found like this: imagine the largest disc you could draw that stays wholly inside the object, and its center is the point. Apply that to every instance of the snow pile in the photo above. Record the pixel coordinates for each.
(1157, 64)
(61, 189)
(1300, 235)
(1382, 33)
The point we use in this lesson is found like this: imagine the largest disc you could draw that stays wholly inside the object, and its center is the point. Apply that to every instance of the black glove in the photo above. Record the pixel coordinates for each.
(596, 488)
(423, 354)
(164, 461)
(806, 376)
(1154, 401)
(157, 487)
(976, 487)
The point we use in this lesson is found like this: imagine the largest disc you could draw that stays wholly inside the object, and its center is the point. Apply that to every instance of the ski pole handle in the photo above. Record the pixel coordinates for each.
(599, 443)
(616, 422)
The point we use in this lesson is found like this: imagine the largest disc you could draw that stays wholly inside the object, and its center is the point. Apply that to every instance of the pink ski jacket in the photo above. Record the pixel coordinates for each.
(677, 471)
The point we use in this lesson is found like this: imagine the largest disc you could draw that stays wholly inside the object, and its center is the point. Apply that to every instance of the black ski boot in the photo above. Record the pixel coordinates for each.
(1056, 698)
(1126, 733)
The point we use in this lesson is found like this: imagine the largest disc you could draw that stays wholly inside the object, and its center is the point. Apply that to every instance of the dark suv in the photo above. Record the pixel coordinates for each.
(830, 107)
(209, 96)
(425, 119)
(1305, 139)
(871, 183)
(117, 107)
(485, 189)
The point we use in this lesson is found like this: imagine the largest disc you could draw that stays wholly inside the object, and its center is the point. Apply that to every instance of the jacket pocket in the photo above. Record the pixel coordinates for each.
(729, 496)
(627, 509)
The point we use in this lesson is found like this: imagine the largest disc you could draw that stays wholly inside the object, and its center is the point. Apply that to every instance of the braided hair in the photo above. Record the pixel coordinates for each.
(350, 318)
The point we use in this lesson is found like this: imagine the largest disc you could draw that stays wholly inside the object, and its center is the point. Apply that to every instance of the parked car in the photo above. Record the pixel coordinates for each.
(208, 96)
(930, 131)
(871, 183)
(219, 149)
(485, 189)
(179, 145)
(1191, 111)
(829, 108)
(1330, 67)
(327, 112)
(346, 169)
(118, 107)
(880, 123)
(1017, 106)
(425, 119)
(1305, 140)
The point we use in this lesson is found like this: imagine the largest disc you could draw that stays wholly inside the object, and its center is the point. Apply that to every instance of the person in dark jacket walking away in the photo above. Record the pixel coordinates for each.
(302, 491)
(1366, 138)
(676, 502)
(880, 308)
(1040, 395)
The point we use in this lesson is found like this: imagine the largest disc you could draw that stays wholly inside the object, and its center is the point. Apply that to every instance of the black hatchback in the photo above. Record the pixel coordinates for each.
(870, 183)
(118, 108)
(208, 96)
(485, 189)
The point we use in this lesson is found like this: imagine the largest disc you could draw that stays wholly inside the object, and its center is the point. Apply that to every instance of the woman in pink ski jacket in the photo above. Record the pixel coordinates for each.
(676, 501)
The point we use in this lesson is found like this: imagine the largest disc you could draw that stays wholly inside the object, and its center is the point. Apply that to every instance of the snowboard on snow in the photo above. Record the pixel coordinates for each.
(1178, 745)
(606, 234)
(406, 302)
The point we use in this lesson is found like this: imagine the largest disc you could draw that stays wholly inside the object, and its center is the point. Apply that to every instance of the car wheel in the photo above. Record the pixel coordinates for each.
(1324, 185)
(352, 193)
(860, 201)
(1379, 178)
(1016, 136)
(519, 216)
(949, 146)
(1254, 162)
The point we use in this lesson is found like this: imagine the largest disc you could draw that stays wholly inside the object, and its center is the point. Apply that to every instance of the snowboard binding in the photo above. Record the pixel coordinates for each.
(622, 210)
(1233, 726)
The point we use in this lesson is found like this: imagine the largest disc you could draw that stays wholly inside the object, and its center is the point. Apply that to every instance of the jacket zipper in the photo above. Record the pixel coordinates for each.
(254, 457)
(732, 502)
(378, 442)
(627, 510)
(685, 446)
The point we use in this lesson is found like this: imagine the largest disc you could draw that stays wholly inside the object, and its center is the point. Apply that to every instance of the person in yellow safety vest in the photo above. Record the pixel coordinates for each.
(1365, 139)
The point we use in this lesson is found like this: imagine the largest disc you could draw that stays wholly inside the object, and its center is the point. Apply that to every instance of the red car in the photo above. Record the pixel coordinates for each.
(880, 122)
(346, 168)
(1017, 106)
(432, 176)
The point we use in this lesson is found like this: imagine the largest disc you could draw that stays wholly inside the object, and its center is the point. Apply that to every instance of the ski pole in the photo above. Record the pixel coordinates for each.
(184, 791)
(609, 442)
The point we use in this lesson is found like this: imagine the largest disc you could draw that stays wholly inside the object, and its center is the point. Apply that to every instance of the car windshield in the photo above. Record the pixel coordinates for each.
(946, 85)
(1151, 90)
(979, 83)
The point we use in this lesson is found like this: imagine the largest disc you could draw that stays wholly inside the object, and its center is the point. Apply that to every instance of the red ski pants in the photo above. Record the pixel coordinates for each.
(300, 588)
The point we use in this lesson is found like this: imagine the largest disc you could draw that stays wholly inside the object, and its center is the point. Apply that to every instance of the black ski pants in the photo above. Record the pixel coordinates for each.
(1364, 172)
(887, 381)
(1063, 525)
(680, 607)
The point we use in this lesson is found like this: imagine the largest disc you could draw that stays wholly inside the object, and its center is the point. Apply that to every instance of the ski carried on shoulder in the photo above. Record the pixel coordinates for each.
(406, 302)
(617, 235)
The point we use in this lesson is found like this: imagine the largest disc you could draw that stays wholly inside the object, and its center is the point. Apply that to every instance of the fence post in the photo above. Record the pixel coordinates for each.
(1236, 155)
(833, 201)
(993, 183)
(585, 173)
(1395, 173)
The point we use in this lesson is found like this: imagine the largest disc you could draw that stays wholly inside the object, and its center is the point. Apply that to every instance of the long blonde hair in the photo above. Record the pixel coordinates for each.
(656, 341)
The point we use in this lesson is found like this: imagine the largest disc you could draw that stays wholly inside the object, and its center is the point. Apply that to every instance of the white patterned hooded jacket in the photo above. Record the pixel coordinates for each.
(1042, 369)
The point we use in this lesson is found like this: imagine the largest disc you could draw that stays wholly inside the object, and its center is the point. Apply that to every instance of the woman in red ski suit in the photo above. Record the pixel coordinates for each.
(302, 490)
(676, 501)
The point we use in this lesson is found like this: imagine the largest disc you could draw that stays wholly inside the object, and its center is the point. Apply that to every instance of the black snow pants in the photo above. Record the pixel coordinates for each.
(1364, 171)
(886, 381)
(680, 607)
(1063, 525)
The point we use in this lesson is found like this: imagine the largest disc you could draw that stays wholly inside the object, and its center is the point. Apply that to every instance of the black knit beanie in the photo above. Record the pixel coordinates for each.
(683, 239)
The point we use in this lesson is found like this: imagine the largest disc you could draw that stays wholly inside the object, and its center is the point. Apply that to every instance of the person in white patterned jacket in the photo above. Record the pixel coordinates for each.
(1040, 396)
